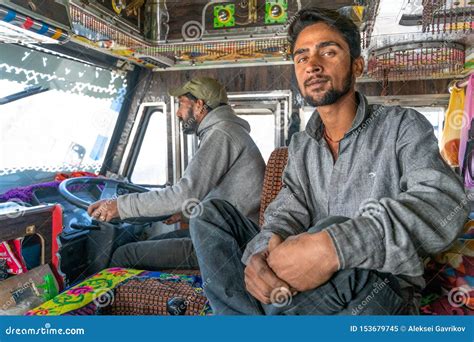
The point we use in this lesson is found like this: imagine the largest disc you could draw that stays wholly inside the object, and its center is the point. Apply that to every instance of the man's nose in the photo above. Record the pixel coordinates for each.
(314, 64)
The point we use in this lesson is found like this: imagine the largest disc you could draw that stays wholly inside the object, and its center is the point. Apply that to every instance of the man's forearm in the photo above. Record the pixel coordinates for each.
(396, 237)
(149, 204)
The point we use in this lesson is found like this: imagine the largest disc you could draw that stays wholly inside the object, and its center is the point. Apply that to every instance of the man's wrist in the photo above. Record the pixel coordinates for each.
(324, 240)
(120, 204)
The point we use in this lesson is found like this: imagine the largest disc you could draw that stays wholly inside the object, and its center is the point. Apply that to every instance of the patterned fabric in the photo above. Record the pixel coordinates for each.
(121, 291)
(455, 267)
(149, 293)
(442, 306)
(92, 290)
(450, 278)
(272, 181)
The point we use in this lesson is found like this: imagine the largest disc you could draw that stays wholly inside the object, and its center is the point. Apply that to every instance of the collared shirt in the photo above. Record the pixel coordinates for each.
(404, 202)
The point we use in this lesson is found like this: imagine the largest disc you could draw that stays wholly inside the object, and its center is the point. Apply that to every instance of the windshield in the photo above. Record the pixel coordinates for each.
(68, 127)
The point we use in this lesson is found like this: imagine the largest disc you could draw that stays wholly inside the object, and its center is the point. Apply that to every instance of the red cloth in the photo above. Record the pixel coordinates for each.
(62, 176)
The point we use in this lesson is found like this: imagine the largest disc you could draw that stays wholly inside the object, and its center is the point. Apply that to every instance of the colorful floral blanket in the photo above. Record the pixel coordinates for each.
(96, 294)
(450, 278)
(92, 290)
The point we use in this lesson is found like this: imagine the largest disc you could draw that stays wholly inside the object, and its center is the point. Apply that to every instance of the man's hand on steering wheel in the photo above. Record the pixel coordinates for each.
(104, 210)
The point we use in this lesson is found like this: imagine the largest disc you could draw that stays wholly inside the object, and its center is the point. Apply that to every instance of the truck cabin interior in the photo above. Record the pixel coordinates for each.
(86, 115)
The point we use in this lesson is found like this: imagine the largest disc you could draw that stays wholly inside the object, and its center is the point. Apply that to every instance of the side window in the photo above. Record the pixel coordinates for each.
(151, 167)
(267, 114)
(262, 131)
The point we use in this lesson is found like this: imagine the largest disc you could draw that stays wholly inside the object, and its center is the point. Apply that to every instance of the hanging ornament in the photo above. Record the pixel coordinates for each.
(416, 61)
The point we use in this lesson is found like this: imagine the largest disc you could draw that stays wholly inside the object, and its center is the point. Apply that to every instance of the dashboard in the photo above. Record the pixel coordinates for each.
(71, 213)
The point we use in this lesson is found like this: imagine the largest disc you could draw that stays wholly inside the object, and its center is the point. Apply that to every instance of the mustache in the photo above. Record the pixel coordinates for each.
(315, 79)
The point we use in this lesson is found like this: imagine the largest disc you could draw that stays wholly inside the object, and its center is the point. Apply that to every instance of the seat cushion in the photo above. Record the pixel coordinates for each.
(149, 293)
(272, 181)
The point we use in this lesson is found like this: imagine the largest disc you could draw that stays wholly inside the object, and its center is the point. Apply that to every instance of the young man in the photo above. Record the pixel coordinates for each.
(364, 197)
(227, 165)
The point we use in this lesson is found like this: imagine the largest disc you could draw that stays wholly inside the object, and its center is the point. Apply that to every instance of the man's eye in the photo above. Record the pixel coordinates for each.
(329, 53)
(301, 59)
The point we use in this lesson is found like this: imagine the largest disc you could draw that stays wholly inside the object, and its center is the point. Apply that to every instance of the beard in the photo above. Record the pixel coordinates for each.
(332, 95)
(190, 125)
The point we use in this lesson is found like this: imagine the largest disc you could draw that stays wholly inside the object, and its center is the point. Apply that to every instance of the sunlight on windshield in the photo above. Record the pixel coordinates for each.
(68, 127)
(10, 88)
(54, 131)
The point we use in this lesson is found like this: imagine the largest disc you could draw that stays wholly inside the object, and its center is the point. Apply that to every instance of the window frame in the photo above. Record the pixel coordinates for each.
(137, 136)
(186, 145)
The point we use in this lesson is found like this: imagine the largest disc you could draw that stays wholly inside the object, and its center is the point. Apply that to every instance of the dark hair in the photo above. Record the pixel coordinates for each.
(194, 98)
(190, 96)
(310, 16)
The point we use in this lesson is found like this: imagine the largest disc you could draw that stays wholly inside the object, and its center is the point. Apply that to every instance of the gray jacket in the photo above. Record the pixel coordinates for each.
(227, 165)
(403, 200)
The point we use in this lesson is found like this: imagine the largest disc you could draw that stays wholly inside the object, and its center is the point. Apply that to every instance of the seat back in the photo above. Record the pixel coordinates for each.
(272, 181)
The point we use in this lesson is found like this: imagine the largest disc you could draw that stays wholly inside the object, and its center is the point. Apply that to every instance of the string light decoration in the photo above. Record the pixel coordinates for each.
(370, 14)
(442, 16)
(416, 61)
(94, 29)
(109, 37)
(222, 51)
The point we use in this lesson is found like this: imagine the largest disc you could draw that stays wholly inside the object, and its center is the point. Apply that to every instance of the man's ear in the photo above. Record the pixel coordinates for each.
(201, 109)
(200, 103)
(358, 66)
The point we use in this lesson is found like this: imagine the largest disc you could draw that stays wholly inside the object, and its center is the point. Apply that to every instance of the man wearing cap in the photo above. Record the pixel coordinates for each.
(227, 165)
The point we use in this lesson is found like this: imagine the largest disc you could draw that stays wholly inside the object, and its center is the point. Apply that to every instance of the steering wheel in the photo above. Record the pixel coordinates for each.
(109, 191)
